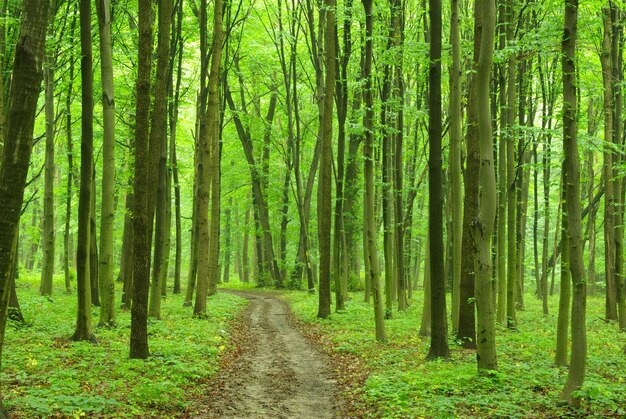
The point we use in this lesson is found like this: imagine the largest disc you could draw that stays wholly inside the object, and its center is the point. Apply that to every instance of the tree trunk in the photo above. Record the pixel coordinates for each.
(576, 374)
(48, 237)
(25, 85)
(177, 50)
(565, 293)
(93, 245)
(208, 243)
(84, 323)
(158, 140)
(107, 212)
(483, 227)
(141, 260)
(456, 193)
(228, 240)
(511, 297)
(607, 170)
(368, 174)
(439, 324)
(324, 192)
(70, 168)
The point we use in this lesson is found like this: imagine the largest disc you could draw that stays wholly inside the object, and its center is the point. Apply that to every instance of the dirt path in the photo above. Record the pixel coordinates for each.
(277, 374)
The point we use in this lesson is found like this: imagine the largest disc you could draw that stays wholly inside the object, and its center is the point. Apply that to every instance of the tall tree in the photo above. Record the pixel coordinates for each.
(483, 227)
(18, 141)
(84, 322)
(141, 263)
(47, 262)
(107, 212)
(454, 164)
(511, 178)
(607, 166)
(439, 325)
(207, 267)
(324, 193)
(158, 140)
(578, 358)
(369, 220)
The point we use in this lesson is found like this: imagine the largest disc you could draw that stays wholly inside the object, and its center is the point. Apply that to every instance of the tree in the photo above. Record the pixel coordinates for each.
(18, 141)
(368, 174)
(47, 266)
(208, 250)
(141, 268)
(483, 227)
(439, 325)
(324, 192)
(455, 165)
(107, 213)
(158, 145)
(576, 374)
(84, 322)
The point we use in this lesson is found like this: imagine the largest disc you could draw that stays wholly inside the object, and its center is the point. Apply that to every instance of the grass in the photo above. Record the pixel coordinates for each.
(402, 384)
(46, 374)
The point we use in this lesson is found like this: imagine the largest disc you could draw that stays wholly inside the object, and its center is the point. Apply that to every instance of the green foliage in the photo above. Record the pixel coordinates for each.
(46, 374)
(402, 384)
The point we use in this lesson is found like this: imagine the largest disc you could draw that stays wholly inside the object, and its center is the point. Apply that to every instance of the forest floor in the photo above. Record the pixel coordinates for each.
(275, 371)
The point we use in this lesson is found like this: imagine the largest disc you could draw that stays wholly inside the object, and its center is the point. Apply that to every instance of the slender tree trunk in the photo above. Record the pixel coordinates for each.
(107, 212)
(324, 194)
(128, 251)
(70, 169)
(48, 237)
(617, 45)
(576, 374)
(607, 169)
(228, 240)
(176, 50)
(209, 236)
(467, 324)
(93, 245)
(456, 193)
(158, 140)
(368, 174)
(141, 258)
(439, 324)
(425, 326)
(84, 323)
(245, 261)
(17, 149)
(565, 292)
(511, 297)
(483, 227)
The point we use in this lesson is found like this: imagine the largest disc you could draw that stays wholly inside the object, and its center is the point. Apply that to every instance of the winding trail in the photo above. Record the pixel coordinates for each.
(277, 374)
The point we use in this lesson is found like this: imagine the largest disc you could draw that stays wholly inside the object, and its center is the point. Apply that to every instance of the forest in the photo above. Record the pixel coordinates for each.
(312, 208)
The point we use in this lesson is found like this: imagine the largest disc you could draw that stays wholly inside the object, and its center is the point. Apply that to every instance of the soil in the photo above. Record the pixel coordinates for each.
(274, 372)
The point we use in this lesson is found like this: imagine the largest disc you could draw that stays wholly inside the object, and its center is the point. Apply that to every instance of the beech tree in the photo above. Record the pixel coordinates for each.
(27, 74)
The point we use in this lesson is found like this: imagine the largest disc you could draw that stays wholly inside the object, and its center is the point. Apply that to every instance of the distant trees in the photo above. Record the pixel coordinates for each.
(343, 89)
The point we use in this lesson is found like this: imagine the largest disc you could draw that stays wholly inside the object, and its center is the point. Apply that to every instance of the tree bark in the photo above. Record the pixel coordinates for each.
(48, 237)
(18, 142)
(483, 227)
(454, 164)
(84, 323)
(439, 324)
(368, 174)
(324, 192)
(576, 374)
(208, 243)
(158, 140)
(141, 258)
(107, 212)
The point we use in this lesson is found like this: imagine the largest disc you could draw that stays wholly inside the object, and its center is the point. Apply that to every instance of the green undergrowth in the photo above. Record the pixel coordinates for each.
(401, 383)
(45, 374)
